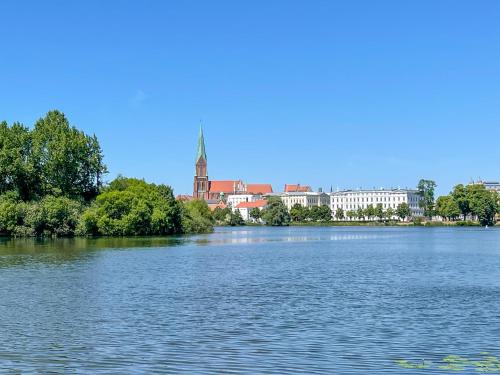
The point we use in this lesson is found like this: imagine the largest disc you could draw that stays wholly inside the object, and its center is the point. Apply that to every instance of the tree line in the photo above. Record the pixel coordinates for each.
(51, 184)
(472, 201)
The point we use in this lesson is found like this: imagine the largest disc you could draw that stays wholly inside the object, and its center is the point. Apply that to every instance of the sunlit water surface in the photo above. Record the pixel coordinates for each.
(252, 300)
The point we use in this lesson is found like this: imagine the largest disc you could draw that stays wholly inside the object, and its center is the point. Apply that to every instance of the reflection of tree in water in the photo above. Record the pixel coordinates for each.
(16, 252)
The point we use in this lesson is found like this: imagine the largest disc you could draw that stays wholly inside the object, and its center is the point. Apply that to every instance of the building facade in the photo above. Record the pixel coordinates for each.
(234, 200)
(246, 207)
(305, 199)
(218, 190)
(352, 200)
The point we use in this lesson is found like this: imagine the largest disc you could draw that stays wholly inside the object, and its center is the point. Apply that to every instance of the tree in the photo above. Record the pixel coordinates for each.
(403, 211)
(298, 213)
(459, 194)
(68, 162)
(339, 214)
(379, 211)
(221, 215)
(325, 213)
(426, 191)
(447, 207)
(275, 214)
(255, 214)
(369, 212)
(133, 207)
(389, 213)
(360, 213)
(236, 219)
(351, 214)
(483, 203)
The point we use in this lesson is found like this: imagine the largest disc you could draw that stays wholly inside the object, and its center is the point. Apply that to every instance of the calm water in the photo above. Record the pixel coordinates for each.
(254, 300)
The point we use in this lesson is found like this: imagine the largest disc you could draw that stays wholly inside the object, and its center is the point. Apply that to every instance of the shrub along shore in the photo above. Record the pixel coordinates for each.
(51, 185)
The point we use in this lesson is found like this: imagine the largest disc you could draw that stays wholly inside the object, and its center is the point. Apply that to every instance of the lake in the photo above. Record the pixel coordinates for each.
(332, 300)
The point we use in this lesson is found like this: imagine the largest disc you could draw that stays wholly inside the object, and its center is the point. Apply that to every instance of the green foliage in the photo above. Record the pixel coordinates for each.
(473, 200)
(196, 217)
(320, 213)
(130, 207)
(426, 191)
(379, 211)
(403, 211)
(275, 213)
(483, 203)
(51, 216)
(447, 207)
(360, 213)
(52, 159)
(221, 216)
(339, 214)
(299, 213)
(370, 211)
(236, 219)
(255, 214)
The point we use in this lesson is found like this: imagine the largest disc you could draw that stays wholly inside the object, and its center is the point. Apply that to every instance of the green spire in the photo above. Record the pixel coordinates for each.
(201, 146)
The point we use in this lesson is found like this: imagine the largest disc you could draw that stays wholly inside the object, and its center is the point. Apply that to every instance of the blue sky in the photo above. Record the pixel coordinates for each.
(344, 94)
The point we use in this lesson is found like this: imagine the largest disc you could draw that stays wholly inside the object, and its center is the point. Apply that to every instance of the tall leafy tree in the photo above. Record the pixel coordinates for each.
(276, 214)
(339, 214)
(403, 211)
(426, 191)
(69, 162)
(459, 195)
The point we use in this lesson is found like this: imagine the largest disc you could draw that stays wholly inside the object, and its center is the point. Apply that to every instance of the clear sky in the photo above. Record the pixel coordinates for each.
(345, 94)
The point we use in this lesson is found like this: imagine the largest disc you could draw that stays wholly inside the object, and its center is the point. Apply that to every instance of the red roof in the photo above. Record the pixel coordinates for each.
(259, 188)
(224, 186)
(297, 188)
(213, 206)
(256, 204)
(184, 198)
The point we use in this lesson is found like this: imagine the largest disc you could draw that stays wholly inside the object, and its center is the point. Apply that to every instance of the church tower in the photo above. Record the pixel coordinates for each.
(200, 189)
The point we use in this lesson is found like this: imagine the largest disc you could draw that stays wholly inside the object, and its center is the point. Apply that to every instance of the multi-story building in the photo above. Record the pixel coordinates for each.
(305, 199)
(234, 200)
(352, 200)
(490, 185)
(246, 208)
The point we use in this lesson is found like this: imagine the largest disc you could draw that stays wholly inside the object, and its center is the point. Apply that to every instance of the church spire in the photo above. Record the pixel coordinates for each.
(201, 146)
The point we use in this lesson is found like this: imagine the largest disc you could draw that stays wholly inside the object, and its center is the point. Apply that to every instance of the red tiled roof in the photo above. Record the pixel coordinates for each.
(256, 204)
(259, 188)
(224, 186)
(296, 188)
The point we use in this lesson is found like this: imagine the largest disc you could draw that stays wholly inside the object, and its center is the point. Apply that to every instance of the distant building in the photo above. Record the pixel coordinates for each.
(297, 188)
(490, 185)
(219, 190)
(305, 199)
(246, 207)
(352, 200)
(235, 199)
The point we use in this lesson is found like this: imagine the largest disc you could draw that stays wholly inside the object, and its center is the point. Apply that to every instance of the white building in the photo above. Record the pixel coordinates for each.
(352, 200)
(234, 200)
(305, 199)
(246, 207)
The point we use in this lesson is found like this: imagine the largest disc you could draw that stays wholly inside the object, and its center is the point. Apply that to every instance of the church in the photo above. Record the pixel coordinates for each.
(214, 191)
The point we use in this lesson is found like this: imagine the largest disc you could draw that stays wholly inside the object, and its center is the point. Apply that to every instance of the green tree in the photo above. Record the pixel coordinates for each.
(67, 161)
(459, 194)
(255, 214)
(275, 213)
(483, 203)
(221, 215)
(426, 191)
(403, 211)
(133, 207)
(298, 213)
(389, 213)
(447, 207)
(369, 211)
(236, 219)
(379, 211)
(339, 214)
(360, 213)
(351, 214)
